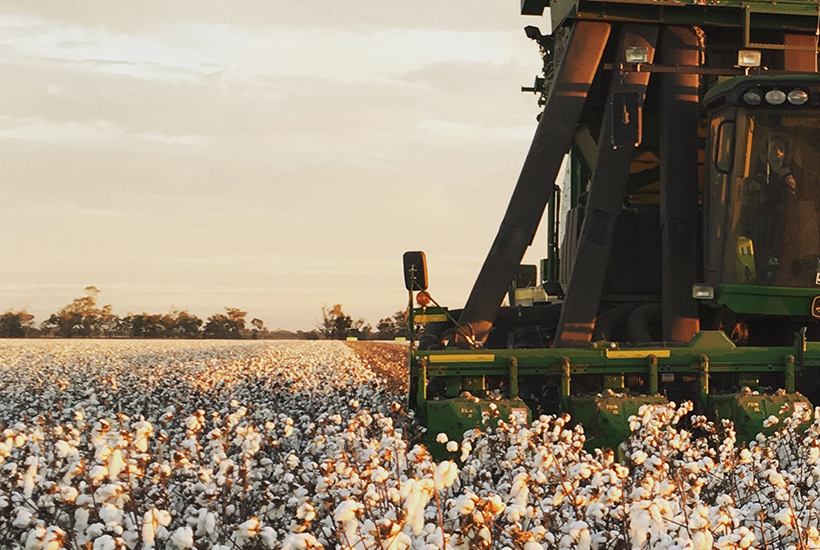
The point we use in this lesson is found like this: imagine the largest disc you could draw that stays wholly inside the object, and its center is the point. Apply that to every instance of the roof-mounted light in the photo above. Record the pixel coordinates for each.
(798, 97)
(753, 97)
(748, 58)
(636, 54)
(775, 97)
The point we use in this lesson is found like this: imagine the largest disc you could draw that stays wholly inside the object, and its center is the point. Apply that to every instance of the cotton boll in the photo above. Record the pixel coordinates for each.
(54, 538)
(702, 540)
(152, 521)
(131, 537)
(666, 488)
(62, 447)
(35, 538)
(300, 541)
(110, 514)
(379, 475)
(182, 538)
(94, 531)
(206, 523)
(68, 494)
(445, 474)
(579, 531)
(98, 473)
(785, 516)
(465, 504)
(28, 477)
(638, 457)
(248, 529)
(116, 464)
(514, 513)
(292, 461)
(813, 536)
(143, 431)
(401, 541)
(105, 542)
(346, 511)
(776, 478)
(163, 517)
(496, 506)
(22, 518)
(306, 512)
(268, 536)
(80, 519)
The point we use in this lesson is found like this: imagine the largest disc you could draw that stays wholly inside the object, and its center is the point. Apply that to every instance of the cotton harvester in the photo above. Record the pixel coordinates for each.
(689, 257)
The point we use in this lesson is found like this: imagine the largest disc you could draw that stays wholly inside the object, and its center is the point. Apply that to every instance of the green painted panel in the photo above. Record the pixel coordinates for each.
(766, 300)
(605, 418)
(455, 416)
(749, 411)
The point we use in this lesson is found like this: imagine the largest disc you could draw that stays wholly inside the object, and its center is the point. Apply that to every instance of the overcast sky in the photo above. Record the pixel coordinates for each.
(272, 156)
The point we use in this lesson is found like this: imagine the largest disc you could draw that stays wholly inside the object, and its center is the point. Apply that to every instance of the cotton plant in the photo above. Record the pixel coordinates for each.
(299, 446)
(184, 446)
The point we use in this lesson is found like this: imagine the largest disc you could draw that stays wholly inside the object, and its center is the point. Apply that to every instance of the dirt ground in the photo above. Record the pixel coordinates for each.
(389, 360)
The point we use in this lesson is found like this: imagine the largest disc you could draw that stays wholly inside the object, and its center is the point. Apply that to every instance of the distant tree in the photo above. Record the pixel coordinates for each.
(182, 324)
(16, 324)
(336, 325)
(145, 325)
(391, 327)
(83, 319)
(258, 330)
(230, 325)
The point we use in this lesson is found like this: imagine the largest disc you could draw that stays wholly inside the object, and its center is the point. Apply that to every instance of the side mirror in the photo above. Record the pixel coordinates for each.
(626, 119)
(415, 270)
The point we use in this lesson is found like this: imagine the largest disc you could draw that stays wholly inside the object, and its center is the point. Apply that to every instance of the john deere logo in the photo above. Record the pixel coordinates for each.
(815, 307)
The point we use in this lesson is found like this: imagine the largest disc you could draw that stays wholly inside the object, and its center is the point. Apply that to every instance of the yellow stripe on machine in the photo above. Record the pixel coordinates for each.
(636, 353)
(464, 358)
(430, 318)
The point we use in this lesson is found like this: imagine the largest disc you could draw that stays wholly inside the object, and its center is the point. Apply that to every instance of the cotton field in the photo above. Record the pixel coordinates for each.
(305, 445)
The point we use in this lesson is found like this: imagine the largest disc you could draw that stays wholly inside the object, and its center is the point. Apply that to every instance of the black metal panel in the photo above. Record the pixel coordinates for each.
(536, 182)
(679, 184)
(606, 195)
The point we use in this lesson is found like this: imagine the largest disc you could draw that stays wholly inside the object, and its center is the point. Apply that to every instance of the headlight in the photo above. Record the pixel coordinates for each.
(798, 97)
(752, 97)
(775, 97)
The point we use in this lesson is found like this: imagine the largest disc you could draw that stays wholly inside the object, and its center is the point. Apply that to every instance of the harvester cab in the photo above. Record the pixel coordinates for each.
(685, 264)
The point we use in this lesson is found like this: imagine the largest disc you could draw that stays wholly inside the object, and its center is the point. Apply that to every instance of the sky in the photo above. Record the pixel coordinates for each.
(278, 157)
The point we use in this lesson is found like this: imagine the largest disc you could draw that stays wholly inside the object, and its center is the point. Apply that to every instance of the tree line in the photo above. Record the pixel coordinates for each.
(84, 318)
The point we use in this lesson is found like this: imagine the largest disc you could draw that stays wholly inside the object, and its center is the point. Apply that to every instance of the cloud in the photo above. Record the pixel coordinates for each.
(309, 16)
(191, 147)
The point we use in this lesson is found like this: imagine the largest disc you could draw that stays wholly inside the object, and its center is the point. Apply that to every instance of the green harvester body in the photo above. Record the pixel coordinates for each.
(683, 245)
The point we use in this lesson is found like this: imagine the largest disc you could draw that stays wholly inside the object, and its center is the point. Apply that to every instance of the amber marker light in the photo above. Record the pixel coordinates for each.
(423, 299)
